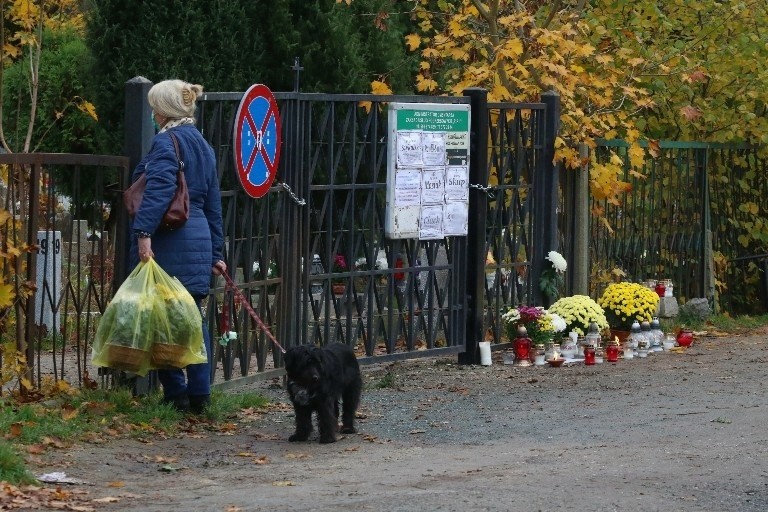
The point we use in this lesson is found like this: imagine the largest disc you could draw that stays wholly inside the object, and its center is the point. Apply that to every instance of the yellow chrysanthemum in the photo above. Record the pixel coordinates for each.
(624, 302)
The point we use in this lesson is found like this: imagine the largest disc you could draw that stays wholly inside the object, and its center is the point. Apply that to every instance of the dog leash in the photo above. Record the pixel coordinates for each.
(244, 302)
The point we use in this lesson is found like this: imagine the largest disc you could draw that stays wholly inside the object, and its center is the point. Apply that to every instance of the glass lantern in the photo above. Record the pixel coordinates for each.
(592, 339)
(657, 335)
(599, 354)
(645, 328)
(522, 347)
(635, 335)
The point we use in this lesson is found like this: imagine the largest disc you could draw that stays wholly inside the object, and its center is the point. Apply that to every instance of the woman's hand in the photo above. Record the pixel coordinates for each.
(219, 268)
(145, 249)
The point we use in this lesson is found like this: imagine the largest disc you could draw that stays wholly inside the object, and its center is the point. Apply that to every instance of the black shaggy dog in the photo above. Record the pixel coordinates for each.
(317, 379)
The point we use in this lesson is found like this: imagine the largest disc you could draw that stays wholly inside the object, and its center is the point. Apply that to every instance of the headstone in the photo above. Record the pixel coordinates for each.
(80, 232)
(667, 307)
(48, 278)
(63, 223)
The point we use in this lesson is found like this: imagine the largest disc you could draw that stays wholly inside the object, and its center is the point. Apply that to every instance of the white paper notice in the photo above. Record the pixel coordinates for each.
(455, 218)
(434, 148)
(407, 187)
(409, 149)
(433, 186)
(431, 222)
(457, 183)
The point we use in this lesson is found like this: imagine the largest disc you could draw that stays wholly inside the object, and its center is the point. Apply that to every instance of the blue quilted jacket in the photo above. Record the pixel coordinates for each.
(188, 252)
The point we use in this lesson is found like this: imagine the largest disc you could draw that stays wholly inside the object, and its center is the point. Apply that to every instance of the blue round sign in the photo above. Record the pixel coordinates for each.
(257, 140)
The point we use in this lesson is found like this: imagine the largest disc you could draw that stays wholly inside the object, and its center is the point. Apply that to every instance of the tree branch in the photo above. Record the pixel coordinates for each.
(2, 68)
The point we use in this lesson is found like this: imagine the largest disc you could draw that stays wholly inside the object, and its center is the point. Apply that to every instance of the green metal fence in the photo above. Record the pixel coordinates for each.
(695, 218)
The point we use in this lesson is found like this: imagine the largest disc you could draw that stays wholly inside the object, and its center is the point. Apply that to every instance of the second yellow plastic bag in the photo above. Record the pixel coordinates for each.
(181, 343)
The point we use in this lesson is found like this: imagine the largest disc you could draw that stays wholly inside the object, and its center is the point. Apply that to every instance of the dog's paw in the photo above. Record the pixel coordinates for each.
(348, 430)
(327, 439)
(297, 438)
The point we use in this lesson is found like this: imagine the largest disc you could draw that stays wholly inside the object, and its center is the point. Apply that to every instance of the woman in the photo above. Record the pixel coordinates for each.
(193, 251)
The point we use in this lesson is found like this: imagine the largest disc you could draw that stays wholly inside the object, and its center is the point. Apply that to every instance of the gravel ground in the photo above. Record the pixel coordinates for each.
(676, 432)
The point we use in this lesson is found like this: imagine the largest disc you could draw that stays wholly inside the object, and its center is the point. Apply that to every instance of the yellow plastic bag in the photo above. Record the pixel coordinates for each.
(152, 322)
(179, 340)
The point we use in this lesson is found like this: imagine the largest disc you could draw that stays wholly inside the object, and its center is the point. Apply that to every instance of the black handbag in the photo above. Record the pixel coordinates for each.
(178, 211)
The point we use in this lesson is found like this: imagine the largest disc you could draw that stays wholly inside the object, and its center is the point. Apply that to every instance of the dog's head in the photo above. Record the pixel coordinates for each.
(304, 366)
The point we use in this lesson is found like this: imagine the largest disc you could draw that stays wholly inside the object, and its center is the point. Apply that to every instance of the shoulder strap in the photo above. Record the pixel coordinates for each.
(178, 151)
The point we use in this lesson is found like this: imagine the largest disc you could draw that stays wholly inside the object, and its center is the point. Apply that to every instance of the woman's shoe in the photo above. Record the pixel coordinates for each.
(199, 403)
(180, 402)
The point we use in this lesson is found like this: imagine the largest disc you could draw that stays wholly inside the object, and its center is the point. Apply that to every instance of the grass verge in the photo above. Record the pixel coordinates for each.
(99, 415)
(12, 467)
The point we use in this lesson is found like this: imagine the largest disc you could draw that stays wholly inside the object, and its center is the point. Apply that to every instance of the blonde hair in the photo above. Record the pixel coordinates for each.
(174, 99)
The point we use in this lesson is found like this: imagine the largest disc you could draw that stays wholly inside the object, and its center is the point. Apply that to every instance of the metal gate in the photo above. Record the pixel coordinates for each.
(57, 231)
(312, 257)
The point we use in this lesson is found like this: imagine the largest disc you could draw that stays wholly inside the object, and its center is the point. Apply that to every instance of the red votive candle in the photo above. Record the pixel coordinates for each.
(612, 352)
(589, 355)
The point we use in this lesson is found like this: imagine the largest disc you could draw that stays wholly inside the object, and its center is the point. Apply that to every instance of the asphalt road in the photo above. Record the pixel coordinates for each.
(675, 432)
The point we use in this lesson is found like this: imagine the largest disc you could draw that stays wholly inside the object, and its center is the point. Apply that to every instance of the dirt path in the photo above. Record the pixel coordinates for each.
(679, 431)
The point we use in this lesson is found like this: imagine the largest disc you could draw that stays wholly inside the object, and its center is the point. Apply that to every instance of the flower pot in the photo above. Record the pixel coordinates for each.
(621, 334)
(339, 289)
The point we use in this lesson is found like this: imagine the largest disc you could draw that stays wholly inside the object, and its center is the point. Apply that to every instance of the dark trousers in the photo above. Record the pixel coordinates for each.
(197, 381)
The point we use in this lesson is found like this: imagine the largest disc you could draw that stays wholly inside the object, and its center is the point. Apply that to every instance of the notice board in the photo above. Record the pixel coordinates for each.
(427, 171)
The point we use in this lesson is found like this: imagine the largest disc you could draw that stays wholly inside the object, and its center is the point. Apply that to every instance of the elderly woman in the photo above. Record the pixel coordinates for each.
(194, 251)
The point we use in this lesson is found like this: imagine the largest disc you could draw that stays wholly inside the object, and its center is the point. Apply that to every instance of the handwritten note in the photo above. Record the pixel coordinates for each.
(409, 149)
(455, 218)
(407, 187)
(431, 223)
(433, 148)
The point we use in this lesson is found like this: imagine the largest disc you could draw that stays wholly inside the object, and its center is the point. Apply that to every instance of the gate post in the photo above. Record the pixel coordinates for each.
(292, 244)
(545, 182)
(138, 134)
(473, 264)
(137, 141)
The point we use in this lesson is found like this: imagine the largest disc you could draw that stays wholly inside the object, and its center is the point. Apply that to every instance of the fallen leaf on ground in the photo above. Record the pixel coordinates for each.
(283, 483)
(35, 449)
(298, 456)
(266, 437)
(56, 443)
(15, 430)
(68, 413)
